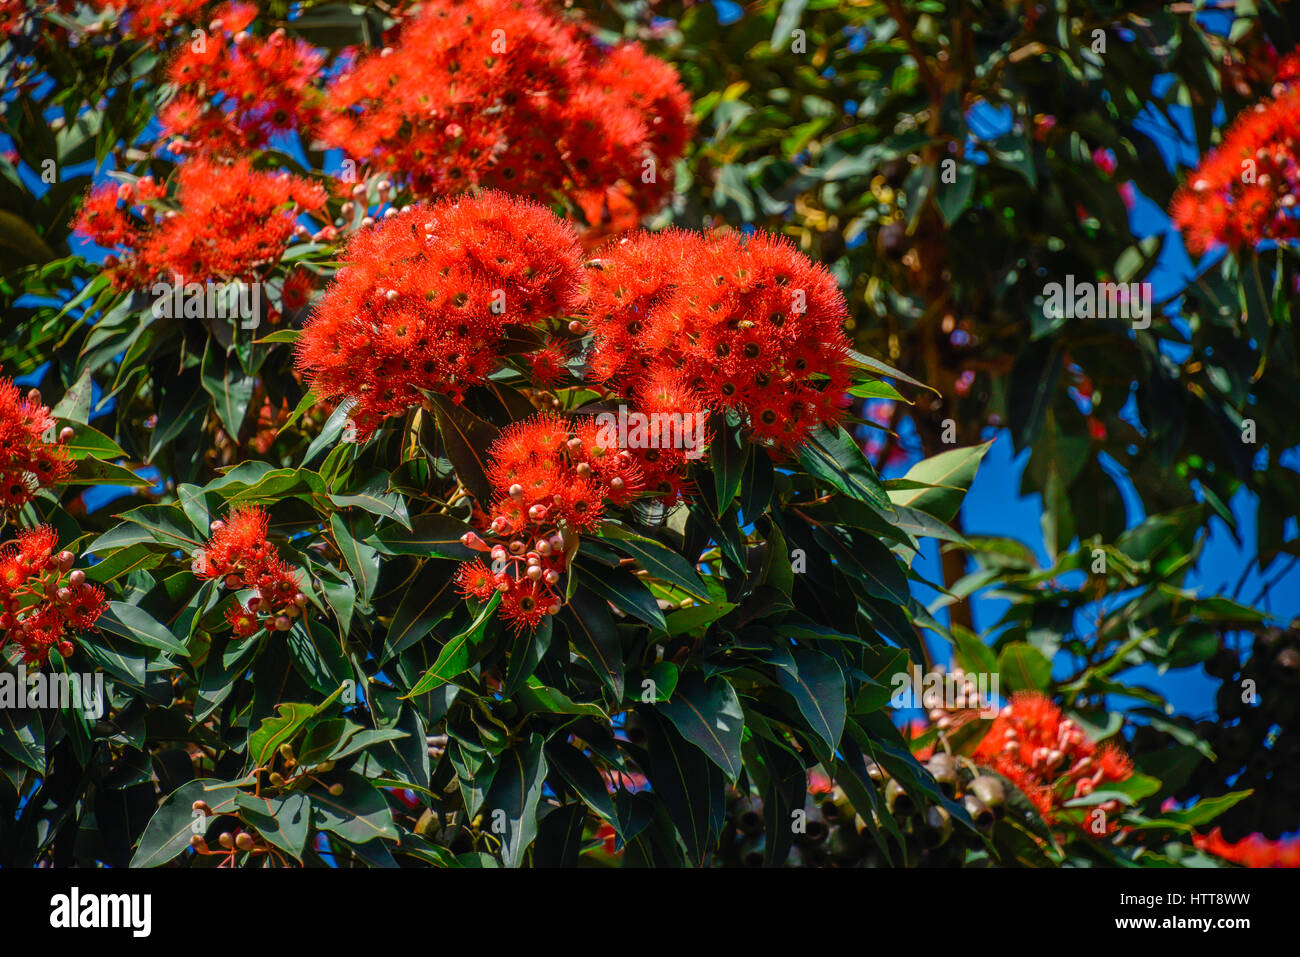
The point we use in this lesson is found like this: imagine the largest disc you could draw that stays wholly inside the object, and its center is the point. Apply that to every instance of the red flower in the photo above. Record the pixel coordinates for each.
(31, 456)
(231, 222)
(553, 479)
(1245, 191)
(426, 297)
(749, 323)
(43, 601)
(1050, 758)
(236, 91)
(502, 93)
(240, 556)
(1254, 850)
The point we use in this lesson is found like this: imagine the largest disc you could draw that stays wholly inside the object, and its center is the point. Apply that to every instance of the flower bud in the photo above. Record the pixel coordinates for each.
(77, 578)
(283, 623)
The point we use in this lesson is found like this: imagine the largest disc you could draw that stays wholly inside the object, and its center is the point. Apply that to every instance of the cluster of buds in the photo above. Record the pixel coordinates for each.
(32, 455)
(525, 572)
(65, 602)
(239, 555)
(970, 701)
(229, 842)
(553, 478)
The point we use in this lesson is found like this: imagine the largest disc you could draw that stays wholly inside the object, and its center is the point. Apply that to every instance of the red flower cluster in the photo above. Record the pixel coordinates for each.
(1253, 851)
(502, 93)
(153, 19)
(235, 91)
(552, 479)
(239, 554)
(1245, 191)
(664, 398)
(1049, 757)
(228, 221)
(748, 323)
(30, 571)
(426, 296)
(31, 456)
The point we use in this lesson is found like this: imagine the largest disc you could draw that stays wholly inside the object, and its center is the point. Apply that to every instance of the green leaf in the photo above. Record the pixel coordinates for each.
(361, 559)
(660, 562)
(281, 820)
(466, 438)
(513, 798)
(596, 639)
(1024, 668)
(429, 534)
(620, 586)
(430, 598)
(358, 815)
(280, 728)
(230, 387)
(22, 736)
(727, 456)
(948, 476)
(174, 823)
(137, 624)
(818, 689)
(836, 459)
(87, 442)
(456, 655)
(708, 715)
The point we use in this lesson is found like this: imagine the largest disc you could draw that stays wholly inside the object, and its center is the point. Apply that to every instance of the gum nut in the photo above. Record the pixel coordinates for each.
(583, 469)
(64, 595)
(367, 221)
(217, 526)
(534, 572)
(66, 434)
(543, 547)
(66, 559)
(226, 839)
(576, 327)
(34, 396)
(553, 609)
(551, 577)
(383, 186)
(359, 190)
(232, 582)
(390, 212)
(244, 842)
(283, 622)
(616, 484)
(516, 490)
(197, 842)
(300, 600)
